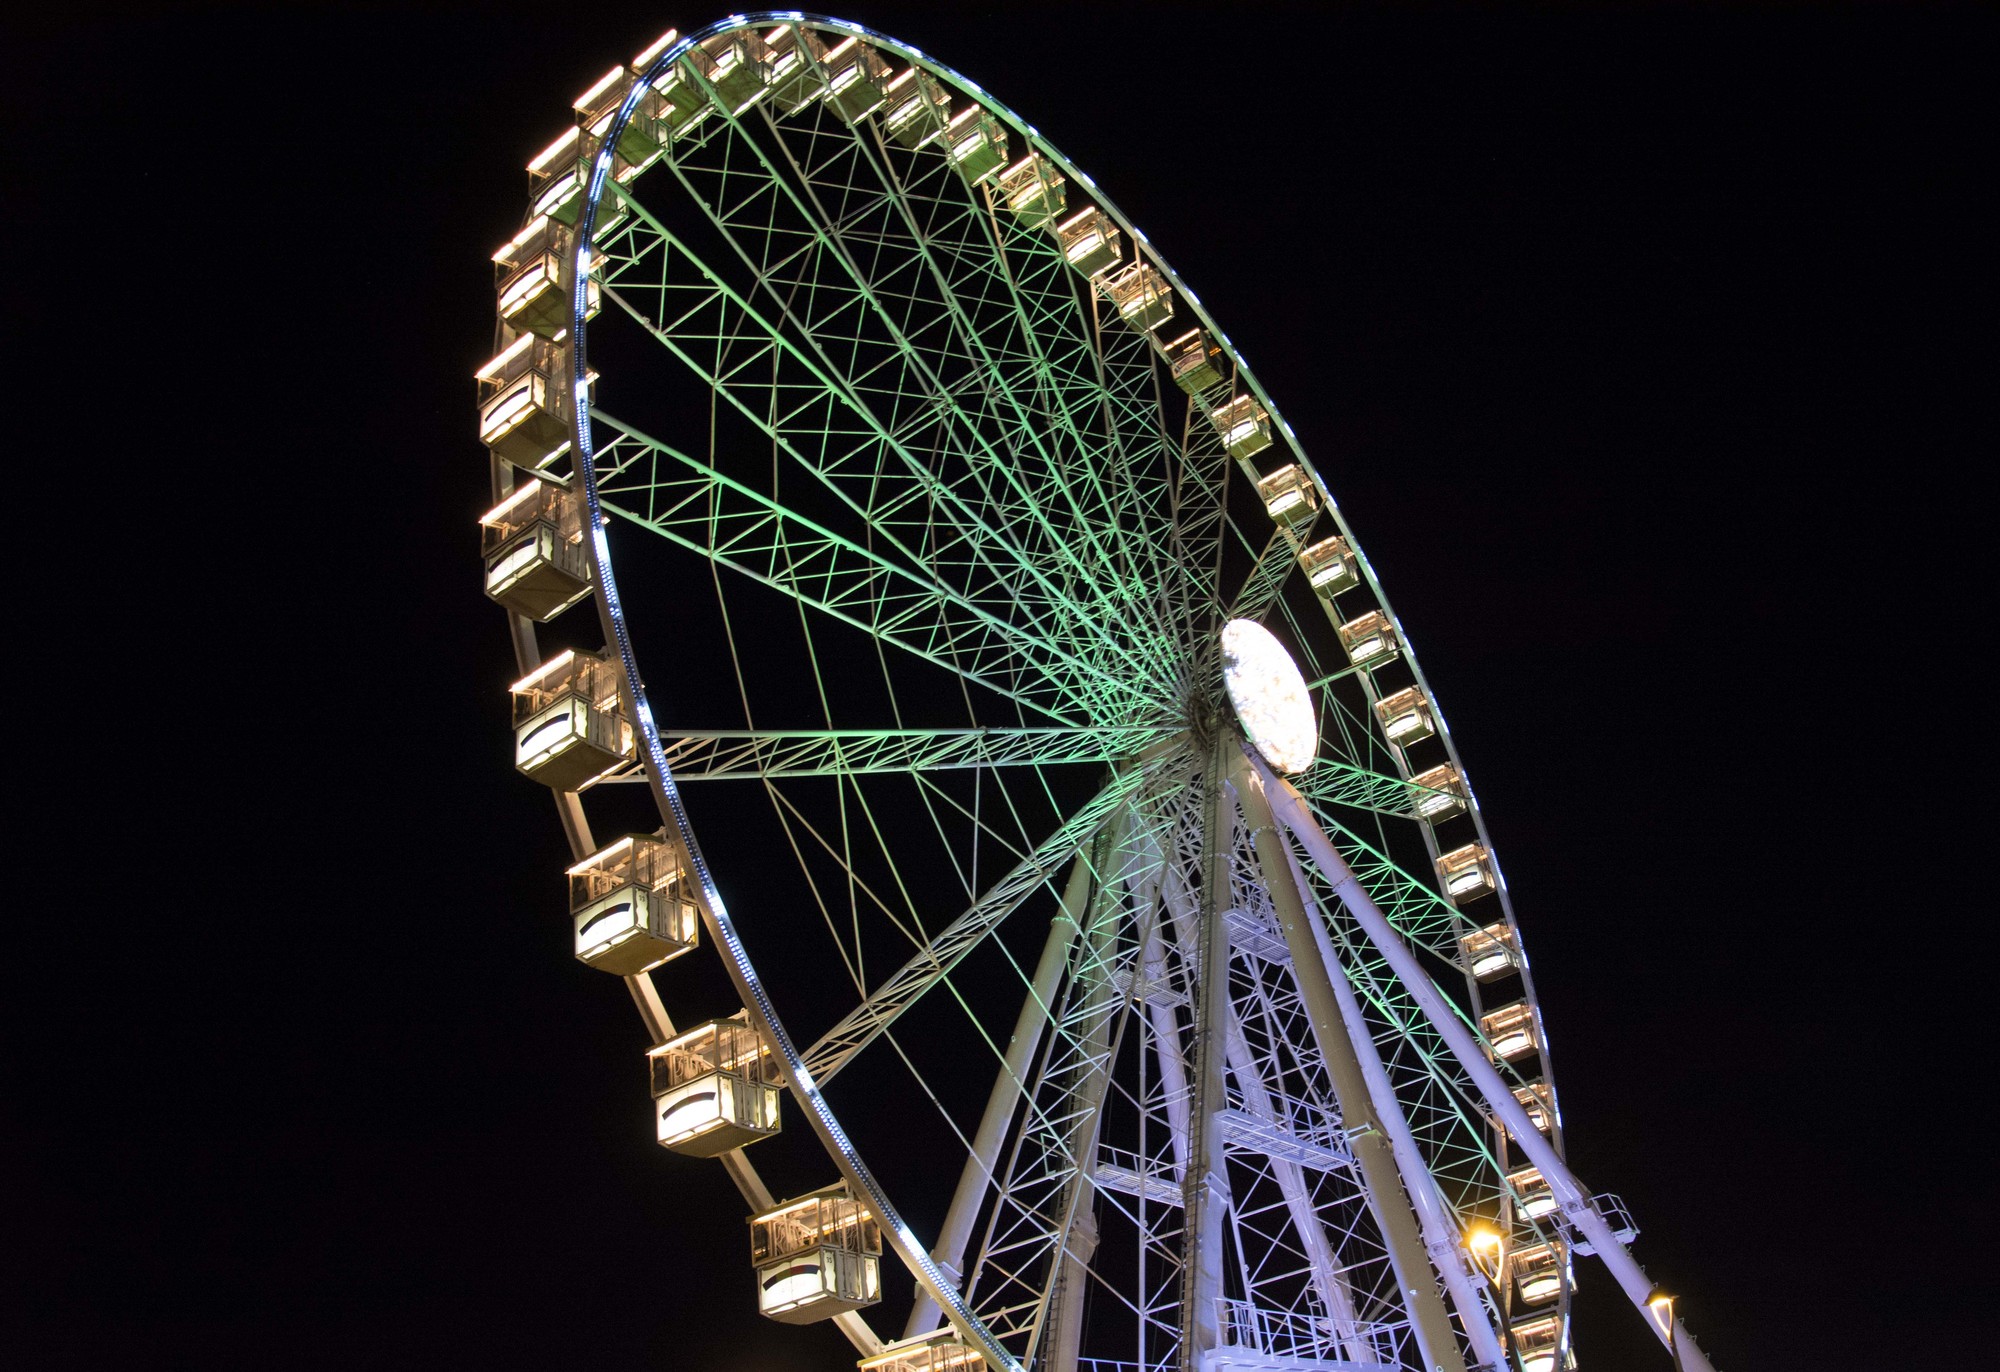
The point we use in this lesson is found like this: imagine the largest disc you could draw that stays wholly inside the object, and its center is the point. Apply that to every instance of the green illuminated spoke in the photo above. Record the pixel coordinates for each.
(1260, 590)
(934, 961)
(722, 754)
(1418, 912)
(1040, 396)
(992, 447)
(1334, 782)
(903, 496)
(692, 503)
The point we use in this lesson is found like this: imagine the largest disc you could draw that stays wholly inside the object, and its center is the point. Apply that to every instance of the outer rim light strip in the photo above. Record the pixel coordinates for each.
(613, 612)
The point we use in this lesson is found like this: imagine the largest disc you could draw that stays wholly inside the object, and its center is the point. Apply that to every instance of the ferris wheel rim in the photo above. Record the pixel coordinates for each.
(612, 614)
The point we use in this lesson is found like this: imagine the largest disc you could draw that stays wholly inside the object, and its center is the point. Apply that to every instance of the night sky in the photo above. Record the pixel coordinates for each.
(1635, 345)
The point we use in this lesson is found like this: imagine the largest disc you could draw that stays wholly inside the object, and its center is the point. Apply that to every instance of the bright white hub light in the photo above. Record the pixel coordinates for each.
(1269, 695)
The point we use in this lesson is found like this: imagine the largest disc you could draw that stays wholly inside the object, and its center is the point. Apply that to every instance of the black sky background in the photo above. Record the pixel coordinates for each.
(1638, 346)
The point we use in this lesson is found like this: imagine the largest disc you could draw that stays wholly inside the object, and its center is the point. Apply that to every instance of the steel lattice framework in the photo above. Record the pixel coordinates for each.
(932, 486)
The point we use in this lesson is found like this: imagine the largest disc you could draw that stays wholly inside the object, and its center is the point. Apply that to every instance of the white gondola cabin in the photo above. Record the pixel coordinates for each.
(1490, 953)
(926, 1353)
(1246, 431)
(524, 403)
(642, 139)
(1406, 716)
(816, 1257)
(727, 73)
(1140, 295)
(557, 176)
(715, 1087)
(1033, 190)
(1538, 1342)
(1537, 1100)
(1090, 241)
(976, 144)
(795, 74)
(916, 108)
(1538, 1272)
(1467, 873)
(1288, 493)
(568, 727)
(1369, 641)
(1330, 567)
(741, 73)
(528, 273)
(1510, 1031)
(532, 544)
(857, 79)
(1195, 361)
(685, 87)
(1532, 1195)
(1443, 796)
(631, 905)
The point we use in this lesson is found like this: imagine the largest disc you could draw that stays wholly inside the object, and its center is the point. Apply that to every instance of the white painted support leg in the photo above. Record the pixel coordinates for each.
(1441, 1236)
(1148, 892)
(1166, 1054)
(1064, 1302)
(1205, 1185)
(1436, 1342)
(1006, 1094)
(1571, 1193)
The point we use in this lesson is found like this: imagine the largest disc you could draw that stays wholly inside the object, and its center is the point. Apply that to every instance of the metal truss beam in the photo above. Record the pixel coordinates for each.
(775, 754)
(1005, 1098)
(868, 1020)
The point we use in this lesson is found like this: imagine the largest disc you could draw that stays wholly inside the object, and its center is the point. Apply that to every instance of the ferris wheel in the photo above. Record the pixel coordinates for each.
(994, 710)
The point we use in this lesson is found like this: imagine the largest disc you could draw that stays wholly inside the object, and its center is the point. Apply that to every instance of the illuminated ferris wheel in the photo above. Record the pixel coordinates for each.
(1107, 910)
